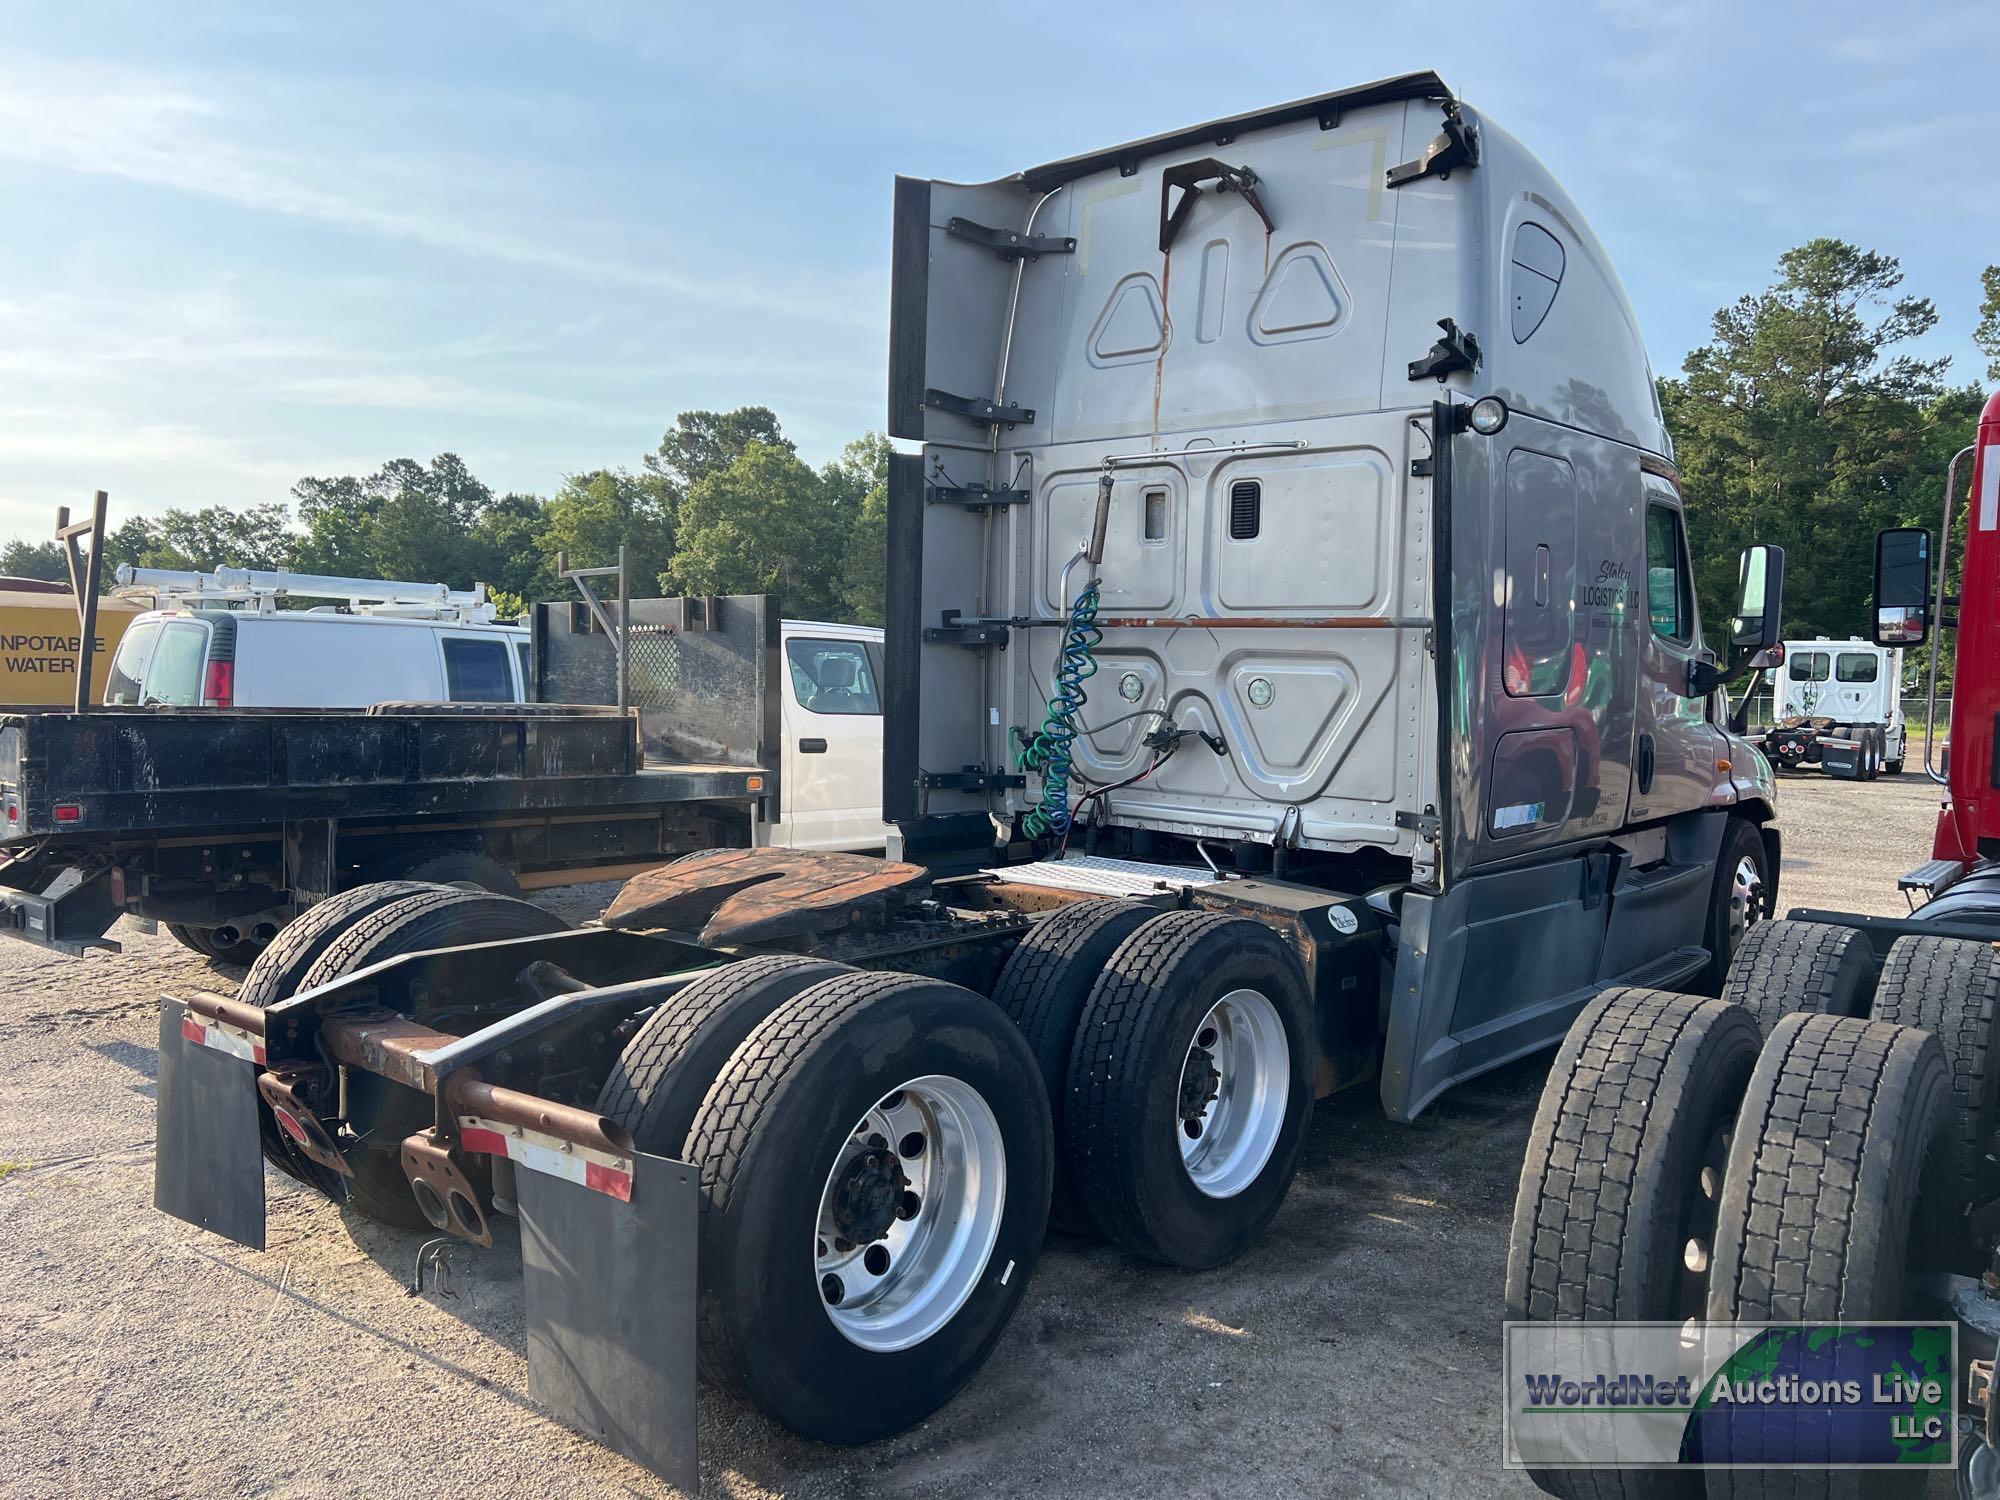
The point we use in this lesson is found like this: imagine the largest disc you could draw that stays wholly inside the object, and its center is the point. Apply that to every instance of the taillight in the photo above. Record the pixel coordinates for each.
(218, 684)
(68, 812)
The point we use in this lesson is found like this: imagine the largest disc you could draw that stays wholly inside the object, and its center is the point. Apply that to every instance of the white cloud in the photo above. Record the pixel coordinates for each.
(166, 132)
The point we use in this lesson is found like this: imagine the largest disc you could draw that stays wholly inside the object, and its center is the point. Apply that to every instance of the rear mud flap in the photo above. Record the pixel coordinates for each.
(208, 1164)
(610, 1293)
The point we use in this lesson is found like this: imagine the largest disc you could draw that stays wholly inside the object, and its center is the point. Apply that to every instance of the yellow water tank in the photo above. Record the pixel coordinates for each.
(39, 641)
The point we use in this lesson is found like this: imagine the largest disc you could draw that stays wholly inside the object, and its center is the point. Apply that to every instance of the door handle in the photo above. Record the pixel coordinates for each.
(812, 747)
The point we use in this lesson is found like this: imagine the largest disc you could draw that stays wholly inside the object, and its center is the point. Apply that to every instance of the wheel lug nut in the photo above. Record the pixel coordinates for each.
(878, 1141)
(842, 1245)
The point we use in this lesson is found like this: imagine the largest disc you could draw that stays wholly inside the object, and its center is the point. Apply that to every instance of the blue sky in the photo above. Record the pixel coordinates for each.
(246, 243)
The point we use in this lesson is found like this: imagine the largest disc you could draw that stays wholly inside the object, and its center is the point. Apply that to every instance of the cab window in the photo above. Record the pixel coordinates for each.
(1669, 593)
(1856, 666)
(477, 671)
(174, 676)
(833, 677)
(1807, 666)
(128, 667)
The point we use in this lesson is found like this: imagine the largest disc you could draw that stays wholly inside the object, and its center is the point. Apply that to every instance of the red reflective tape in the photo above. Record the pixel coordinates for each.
(257, 1052)
(484, 1142)
(605, 1180)
(193, 1031)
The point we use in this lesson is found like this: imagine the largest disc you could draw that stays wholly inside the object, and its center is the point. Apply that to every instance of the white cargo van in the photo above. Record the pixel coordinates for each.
(223, 658)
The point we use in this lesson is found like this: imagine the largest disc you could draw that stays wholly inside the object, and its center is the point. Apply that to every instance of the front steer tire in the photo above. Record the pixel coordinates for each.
(776, 1127)
(1134, 1081)
(1734, 909)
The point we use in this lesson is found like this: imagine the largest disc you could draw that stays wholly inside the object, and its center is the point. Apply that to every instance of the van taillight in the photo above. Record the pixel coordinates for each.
(218, 686)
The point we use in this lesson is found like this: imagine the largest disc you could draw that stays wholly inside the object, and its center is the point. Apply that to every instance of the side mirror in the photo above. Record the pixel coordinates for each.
(1760, 603)
(1902, 586)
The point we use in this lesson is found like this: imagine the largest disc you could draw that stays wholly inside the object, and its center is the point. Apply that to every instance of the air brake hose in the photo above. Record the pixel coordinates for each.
(1050, 752)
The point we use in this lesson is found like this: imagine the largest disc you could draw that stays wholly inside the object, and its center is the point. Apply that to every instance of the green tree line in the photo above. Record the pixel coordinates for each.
(1804, 420)
(724, 505)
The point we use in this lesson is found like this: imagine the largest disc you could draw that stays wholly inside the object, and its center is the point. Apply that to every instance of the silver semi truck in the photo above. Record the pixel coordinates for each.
(1294, 680)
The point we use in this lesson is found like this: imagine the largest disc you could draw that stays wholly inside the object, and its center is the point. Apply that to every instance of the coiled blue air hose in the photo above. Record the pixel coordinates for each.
(1049, 752)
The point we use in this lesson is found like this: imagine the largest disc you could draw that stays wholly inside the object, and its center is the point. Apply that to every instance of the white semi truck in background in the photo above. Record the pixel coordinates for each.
(1838, 705)
(1293, 681)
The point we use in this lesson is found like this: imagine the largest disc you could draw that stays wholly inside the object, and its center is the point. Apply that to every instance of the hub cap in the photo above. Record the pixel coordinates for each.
(1234, 1086)
(910, 1213)
(1746, 899)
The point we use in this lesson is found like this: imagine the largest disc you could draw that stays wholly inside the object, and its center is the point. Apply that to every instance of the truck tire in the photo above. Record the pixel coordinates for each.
(1190, 1085)
(466, 868)
(1785, 966)
(1623, 1170)
(279, 968)
(382, 1113)
(1950, 987)
(1833, 1187)
(1738, 901)
(894, 1108)
(1043, 988)
(275, 976)
(656, 1087)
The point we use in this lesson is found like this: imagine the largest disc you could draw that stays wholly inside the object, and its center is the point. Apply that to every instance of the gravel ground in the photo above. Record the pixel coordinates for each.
(1354, 1350)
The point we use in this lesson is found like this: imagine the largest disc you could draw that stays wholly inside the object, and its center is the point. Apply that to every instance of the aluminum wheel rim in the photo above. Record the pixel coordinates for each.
(1235, 1083)
(891, 1290)
(1746, 899)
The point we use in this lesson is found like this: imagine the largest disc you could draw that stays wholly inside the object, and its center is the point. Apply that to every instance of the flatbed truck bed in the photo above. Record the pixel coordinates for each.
(226, 823)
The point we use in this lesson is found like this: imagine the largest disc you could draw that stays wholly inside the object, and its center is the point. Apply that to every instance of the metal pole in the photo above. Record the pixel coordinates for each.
(1937, 616)
(624, 633)
(86, 605)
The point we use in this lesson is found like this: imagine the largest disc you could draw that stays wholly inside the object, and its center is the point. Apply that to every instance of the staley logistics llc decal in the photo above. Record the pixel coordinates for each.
(1731, 1395)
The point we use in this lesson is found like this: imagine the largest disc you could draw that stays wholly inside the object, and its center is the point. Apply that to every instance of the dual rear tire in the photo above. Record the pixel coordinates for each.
(874, 1182)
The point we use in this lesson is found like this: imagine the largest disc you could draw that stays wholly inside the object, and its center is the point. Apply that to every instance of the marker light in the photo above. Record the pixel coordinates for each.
(1489, 415)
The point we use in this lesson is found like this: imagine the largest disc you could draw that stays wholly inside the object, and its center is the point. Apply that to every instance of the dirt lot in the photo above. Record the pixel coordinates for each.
(1353, 1351)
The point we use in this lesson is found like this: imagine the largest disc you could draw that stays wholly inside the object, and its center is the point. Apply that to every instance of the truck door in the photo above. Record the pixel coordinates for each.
(1673, 761)
(833, 745)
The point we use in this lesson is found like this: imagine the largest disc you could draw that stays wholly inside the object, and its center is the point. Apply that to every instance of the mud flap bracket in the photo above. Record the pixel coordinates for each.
(610, 1293)
(208, 1164)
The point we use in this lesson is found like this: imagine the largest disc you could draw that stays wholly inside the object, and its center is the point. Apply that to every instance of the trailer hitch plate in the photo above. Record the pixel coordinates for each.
(208, 1164)
(759, 895)
(610, 1293)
